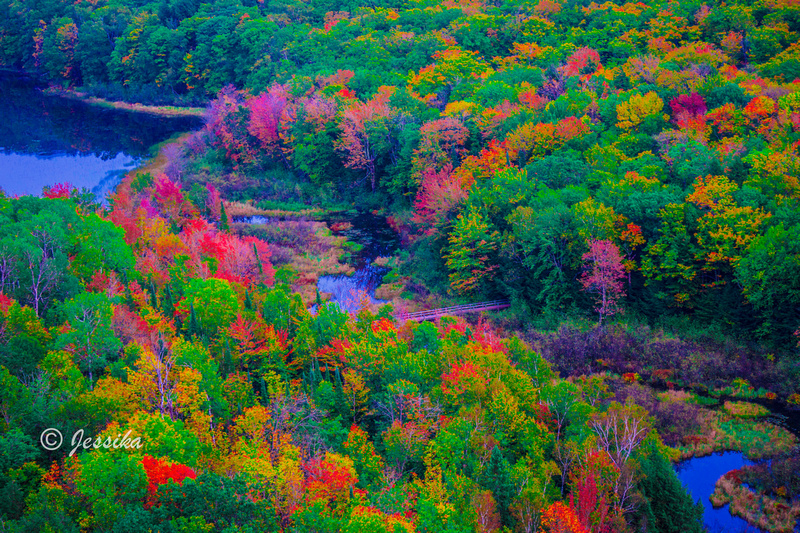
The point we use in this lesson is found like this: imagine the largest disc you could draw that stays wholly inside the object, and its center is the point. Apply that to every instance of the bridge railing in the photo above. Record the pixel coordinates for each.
(454, 310)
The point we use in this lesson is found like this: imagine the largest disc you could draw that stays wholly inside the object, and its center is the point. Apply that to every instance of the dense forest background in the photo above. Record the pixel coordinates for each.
(627, 164)
(503, 136)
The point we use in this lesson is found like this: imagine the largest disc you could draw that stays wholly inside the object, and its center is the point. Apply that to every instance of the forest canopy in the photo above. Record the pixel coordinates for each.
(578, 159)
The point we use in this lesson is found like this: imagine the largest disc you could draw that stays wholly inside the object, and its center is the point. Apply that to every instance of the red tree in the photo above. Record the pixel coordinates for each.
(365, 133)
(270, 114)
(605, 276)
(440, 192)
(59, 190)
(159, 472)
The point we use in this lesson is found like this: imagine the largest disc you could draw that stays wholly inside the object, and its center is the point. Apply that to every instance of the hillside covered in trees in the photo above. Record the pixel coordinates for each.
(632, 165)
(502, 138)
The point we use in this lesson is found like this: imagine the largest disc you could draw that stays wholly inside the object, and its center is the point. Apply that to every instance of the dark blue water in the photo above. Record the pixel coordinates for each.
(46, 140)
(699, 476)
(377, 239)
(23, 174)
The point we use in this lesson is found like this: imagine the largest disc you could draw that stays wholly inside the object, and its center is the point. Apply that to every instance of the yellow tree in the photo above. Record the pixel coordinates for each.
(356, 393)
(451, 68)
(632, 113)
(469, 254)
(725, 230)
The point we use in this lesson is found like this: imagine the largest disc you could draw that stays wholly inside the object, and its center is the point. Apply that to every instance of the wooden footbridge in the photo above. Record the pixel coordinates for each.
(434, 314)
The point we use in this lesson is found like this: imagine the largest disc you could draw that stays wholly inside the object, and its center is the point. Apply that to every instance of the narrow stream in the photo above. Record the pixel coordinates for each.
(377, 239)
(373, 238)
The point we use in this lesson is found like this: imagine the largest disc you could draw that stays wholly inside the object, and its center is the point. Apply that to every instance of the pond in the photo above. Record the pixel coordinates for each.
(46, 140)
(700, 474)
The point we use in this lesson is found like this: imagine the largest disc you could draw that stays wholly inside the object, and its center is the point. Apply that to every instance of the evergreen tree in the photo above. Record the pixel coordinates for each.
(153, 296)
(496, 478)
(672, 507)
(194, 328)
(167, 305)
(224, 226)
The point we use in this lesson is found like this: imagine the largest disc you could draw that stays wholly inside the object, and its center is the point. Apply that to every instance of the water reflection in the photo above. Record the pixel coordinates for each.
(350, 291)
(376, 239)
(27, 173)
(46, 140)
(700, 474)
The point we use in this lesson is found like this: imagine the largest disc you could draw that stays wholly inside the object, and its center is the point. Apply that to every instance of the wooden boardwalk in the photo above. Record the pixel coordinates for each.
(433, 314)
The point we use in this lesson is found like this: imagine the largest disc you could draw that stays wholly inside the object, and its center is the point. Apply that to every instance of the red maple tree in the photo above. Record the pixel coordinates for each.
(604, 276)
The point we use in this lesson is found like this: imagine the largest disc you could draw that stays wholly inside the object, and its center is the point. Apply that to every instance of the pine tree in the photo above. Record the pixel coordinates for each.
(224, 226)
(153, 296)
(128, 296)
(258, 260)
(670, 504)
(167, 305)
(497, 479)
(194, 327)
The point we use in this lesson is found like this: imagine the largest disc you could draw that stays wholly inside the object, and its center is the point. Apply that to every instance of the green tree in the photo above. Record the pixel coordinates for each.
(672, 507)
(41, 244)
(90, 337)
(110, 482)
(214, 302)
(471, 251)
(767, 272)
(543, 235)
(100, 246)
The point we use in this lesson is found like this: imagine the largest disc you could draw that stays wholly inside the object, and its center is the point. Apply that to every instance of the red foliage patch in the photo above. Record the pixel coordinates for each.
(59, 190)
(5, 302)
(159, 472)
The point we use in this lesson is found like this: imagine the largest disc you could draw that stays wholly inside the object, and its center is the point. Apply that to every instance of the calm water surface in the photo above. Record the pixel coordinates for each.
(378, 239)
(699, 476)
(46, 140)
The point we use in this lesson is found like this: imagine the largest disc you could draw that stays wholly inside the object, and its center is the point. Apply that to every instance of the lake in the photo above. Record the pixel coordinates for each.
(47, 139)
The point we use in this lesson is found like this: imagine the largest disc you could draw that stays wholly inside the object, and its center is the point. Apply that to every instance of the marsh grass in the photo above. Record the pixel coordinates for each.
(757, 509)
(307, 246)
(158, 164)
(723, 432)
(745, 409)
(247, 209)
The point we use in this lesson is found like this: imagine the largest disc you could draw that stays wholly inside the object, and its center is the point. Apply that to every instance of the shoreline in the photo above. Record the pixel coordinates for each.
(158, 162)
(162, 111)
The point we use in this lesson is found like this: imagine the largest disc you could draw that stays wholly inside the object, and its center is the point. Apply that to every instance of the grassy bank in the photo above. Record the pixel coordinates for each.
(160, 160)
(247, 209)
(777, 515)
(160, 110)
